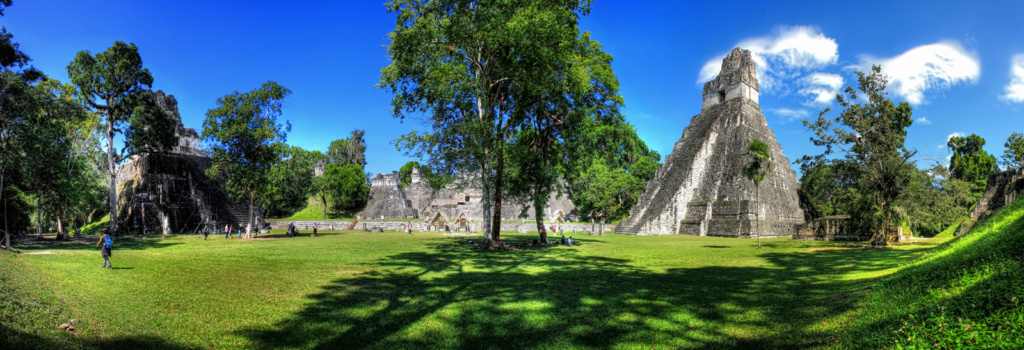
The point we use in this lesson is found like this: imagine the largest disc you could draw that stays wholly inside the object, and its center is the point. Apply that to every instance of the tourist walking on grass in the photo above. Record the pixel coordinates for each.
(408, 226)
(108, 244)
(227, 232)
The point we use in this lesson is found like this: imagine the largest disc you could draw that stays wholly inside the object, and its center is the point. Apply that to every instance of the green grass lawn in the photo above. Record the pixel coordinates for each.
(352, 289)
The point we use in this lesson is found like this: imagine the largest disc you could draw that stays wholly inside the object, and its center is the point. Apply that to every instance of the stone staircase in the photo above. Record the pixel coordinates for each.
(625, 230)
(997, 187)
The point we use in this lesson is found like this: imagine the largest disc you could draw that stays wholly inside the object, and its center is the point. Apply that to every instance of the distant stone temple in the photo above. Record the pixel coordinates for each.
(456, 206)
(700, 190)
(169, 192)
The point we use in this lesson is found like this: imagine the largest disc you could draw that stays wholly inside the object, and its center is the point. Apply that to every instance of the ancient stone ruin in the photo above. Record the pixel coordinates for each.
(1001, 189)
(170, 193)
(700, 190)
(457, 206)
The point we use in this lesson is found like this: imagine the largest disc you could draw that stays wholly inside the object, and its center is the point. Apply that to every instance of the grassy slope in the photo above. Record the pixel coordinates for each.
(313, 211)
(966, 293)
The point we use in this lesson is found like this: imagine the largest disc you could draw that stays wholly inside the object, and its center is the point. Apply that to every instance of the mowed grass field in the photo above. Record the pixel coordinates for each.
(353, 289)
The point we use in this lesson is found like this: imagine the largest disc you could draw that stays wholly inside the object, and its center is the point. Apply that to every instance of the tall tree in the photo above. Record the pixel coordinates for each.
(970, 162)
(246, 140)
(345, 186)
(434, 181)
(350, 150)
(935, 200)
(1013, 156)
(831, 186)
(756, 170)
(16, 103)
(114, 84)
(481, 71)
(870, 135)
(610, 191)
(290, 179)
(616, 143)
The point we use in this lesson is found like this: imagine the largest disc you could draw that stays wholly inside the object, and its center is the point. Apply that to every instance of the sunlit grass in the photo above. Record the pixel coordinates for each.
(353, 289)
(968, 293)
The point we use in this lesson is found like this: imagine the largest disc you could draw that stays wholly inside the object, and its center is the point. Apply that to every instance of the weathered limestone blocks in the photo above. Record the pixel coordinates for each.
(457, 205)
(700, 190)
(170, 192)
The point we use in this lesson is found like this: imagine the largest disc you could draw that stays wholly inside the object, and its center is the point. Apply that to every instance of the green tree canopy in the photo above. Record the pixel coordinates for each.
(246, 140)
(831, 185)
(351, 150)
(483, 71)
(290, 179)
(870, 136)
(970, 162)
(1013, 156)
(434, 181)
(114, 85)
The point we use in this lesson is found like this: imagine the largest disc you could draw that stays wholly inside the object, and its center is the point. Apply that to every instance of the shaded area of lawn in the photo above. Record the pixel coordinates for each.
(30, 312)
(458, 297)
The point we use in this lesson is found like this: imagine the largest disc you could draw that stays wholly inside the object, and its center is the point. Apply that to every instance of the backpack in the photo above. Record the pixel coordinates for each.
(109, 243)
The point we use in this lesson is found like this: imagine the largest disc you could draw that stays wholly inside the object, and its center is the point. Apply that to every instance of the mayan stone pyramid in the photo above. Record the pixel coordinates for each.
(701, 190)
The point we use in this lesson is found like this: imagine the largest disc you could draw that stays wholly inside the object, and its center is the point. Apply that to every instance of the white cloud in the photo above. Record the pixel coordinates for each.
(1015, 89)
(924, 121)
(928, 67)
(789, 115)
(821, 87)
(781, 55)
(955, 134)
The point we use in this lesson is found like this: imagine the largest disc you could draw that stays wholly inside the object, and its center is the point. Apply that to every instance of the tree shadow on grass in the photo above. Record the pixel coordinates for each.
(461, 298)
(15, 339)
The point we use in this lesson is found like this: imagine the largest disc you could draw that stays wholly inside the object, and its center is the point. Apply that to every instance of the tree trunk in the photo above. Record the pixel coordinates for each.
(111, 172)
(61, 235)
(600, 227)
(496, 221)
(323, 199)
(39, 217)
(248, 225)
(7, 232)
(539, 216)
(757, 213)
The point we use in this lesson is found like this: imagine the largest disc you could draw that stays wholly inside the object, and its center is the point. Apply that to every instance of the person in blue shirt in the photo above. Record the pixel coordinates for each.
(108, 244)
(570, 240)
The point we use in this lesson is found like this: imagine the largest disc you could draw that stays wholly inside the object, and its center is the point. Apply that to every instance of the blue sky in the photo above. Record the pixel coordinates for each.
(960, 64)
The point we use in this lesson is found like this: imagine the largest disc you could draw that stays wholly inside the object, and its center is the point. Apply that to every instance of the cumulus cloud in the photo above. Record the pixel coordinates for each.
(788, 50)
(1015, 89)
(955, 134)
(789, 115)
(924, 121)
(926, 68)
(789, 60)
(821, 88)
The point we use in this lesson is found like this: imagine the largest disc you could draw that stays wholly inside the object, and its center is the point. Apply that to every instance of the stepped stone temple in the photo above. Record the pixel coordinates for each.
(169, 192)
(701, 190)
(456, 206)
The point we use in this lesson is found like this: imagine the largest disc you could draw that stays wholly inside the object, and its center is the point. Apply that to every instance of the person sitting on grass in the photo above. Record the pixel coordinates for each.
(108, 244)
(563, 240)
(570, 240)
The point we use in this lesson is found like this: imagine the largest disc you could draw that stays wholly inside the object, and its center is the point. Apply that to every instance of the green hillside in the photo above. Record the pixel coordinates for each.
(967, 293)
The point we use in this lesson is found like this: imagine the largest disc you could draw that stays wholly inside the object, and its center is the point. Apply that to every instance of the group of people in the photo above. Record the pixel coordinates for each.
(231, 229)
(293, 230)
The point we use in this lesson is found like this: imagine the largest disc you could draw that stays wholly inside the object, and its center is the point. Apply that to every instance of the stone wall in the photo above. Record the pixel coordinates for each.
(459, 202)
(421, 226)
